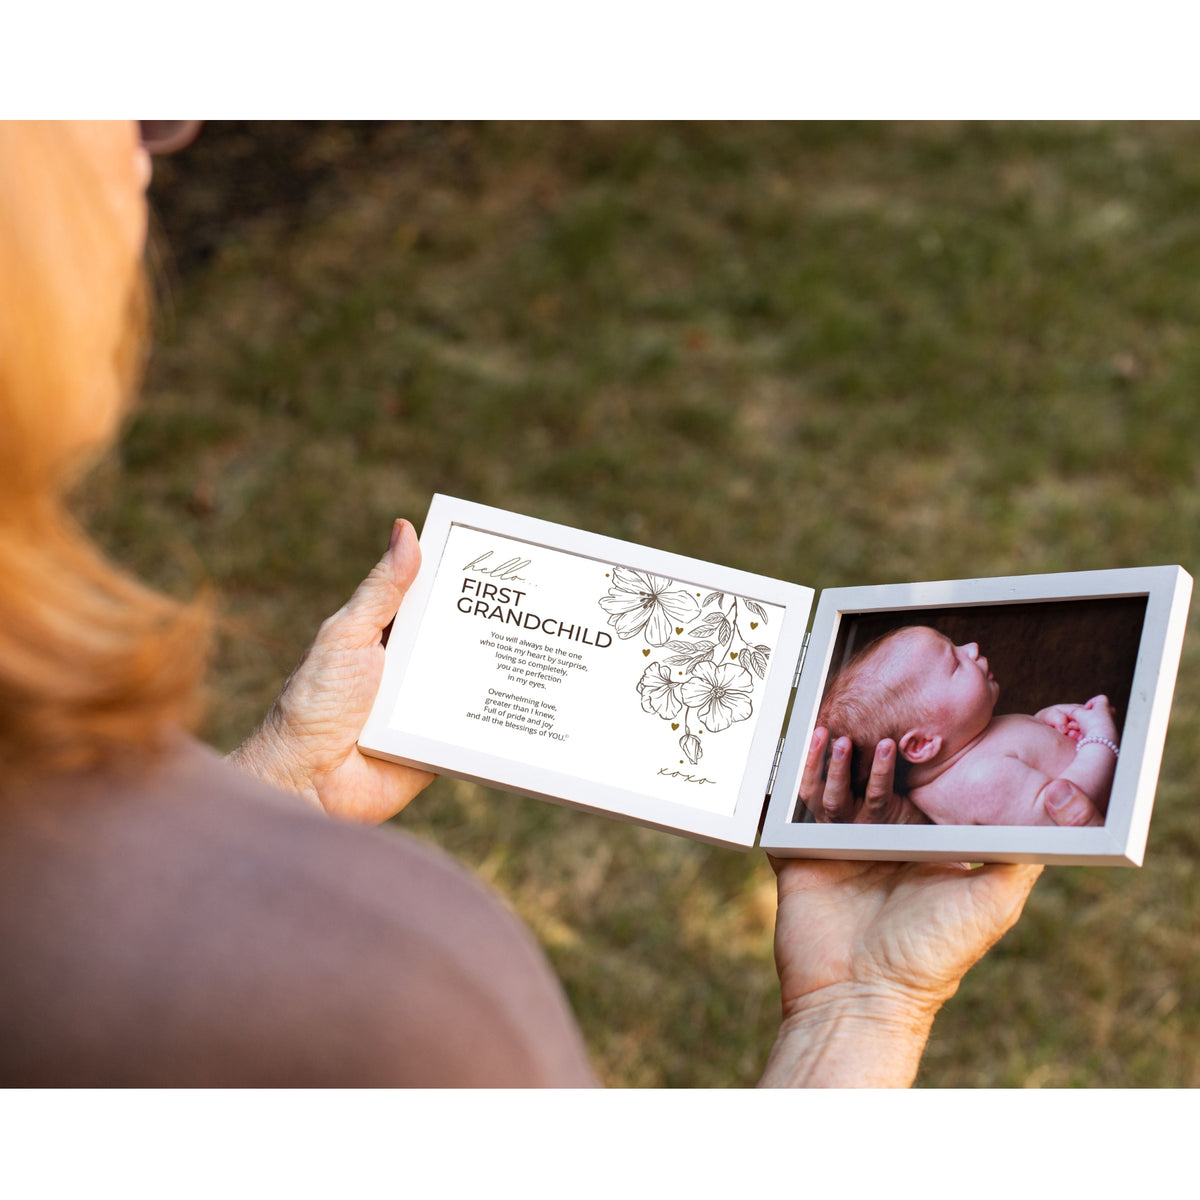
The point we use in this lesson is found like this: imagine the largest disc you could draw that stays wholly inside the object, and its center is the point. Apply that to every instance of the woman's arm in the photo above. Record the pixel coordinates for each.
(1095, 753)
(868, 952)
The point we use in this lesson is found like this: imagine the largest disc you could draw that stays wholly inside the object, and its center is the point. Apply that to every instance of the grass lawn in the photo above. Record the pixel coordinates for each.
(837, 354)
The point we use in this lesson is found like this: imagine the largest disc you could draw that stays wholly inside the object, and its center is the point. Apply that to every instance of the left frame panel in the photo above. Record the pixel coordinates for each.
(592, 672)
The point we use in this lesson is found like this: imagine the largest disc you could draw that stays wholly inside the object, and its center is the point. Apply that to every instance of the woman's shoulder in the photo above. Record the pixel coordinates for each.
(273, 944)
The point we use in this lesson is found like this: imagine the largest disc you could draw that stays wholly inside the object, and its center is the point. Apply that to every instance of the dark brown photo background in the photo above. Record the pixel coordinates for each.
(1043, 653)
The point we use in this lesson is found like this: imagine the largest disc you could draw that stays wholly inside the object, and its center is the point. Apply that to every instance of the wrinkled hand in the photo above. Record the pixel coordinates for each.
(868, 952)
(829, 797)
(307, 741)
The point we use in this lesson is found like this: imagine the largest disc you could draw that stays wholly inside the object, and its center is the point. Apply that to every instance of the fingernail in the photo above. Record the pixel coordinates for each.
(816, 740)
(1057, 794)
(884, 751)
(397, 525)
(840, 749)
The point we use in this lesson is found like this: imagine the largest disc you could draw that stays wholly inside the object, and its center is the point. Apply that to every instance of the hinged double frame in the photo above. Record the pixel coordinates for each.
(632, 682)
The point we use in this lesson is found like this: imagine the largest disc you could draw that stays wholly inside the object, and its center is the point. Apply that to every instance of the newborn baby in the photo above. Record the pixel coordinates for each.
(958, 763)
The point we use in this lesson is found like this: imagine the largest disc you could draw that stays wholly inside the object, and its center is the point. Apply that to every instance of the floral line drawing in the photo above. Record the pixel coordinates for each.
(703, 680)
(638, 602)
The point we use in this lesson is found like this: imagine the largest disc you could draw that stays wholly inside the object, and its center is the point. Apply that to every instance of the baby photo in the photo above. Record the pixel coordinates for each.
(987, 705)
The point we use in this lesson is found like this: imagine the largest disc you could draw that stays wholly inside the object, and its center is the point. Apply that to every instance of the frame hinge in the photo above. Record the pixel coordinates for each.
(800, 661)
(775, 767)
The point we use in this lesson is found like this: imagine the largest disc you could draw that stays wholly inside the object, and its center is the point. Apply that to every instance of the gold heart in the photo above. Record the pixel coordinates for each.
(733, 654)
(674, 726)
(678, 628)
(753, 624)
(646, 653)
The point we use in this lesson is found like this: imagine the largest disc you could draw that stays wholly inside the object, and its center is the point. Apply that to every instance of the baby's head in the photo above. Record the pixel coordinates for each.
(915, 686)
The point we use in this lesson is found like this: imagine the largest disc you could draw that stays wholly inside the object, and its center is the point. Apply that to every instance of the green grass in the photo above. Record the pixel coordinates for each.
(833, 354)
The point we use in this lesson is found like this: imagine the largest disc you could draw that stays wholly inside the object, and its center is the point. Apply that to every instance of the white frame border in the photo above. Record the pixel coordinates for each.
(1122, 840)
(463, 762)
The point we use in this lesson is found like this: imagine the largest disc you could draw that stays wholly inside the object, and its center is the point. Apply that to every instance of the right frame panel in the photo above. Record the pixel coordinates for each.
(1047, 637)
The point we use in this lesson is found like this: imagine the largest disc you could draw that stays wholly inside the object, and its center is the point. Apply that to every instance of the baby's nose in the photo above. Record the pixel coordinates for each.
(972, 649)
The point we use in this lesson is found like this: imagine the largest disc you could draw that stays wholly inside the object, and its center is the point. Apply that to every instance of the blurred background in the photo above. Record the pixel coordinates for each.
(836, 354)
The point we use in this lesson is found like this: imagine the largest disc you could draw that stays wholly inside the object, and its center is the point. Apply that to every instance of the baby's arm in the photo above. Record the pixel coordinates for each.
(1096, 751)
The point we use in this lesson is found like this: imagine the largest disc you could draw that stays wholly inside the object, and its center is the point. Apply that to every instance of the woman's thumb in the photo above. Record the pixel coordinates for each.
(1067, 804)
(377, 598)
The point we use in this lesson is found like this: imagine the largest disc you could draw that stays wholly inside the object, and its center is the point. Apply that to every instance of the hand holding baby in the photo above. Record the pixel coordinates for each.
(828, 795)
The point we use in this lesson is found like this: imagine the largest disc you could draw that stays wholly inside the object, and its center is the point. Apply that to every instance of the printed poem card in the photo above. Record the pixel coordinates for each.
(589, 668)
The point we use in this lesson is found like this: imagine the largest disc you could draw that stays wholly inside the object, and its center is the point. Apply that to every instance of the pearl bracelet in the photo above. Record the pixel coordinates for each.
(1079, 745)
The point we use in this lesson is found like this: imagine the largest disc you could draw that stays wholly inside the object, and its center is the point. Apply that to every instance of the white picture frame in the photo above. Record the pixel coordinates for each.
(421, 721)
(433, 708)
(1166, 591)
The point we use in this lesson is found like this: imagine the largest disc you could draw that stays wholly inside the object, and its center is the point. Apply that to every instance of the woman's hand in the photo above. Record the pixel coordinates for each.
(307, 743)
(868, 952)
(1066, 803)
(829, 797)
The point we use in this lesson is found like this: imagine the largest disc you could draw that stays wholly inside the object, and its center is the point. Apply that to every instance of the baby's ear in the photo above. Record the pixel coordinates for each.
(918, 746)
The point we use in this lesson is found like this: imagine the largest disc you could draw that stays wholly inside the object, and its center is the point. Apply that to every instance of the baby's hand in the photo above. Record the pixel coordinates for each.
(1061, 717)
(1097, 719)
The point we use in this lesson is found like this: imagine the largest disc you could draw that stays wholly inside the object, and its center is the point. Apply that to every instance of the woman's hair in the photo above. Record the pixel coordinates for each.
(861, 705)
(95, 667)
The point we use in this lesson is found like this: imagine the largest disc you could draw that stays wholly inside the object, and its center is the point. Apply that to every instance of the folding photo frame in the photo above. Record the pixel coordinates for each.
(651, 687)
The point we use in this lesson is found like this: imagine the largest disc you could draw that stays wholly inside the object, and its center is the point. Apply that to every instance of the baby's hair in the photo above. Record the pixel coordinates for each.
(860, 705)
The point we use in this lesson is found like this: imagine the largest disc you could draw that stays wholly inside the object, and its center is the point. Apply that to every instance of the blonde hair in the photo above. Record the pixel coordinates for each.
(861, 705)
(94, 666)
